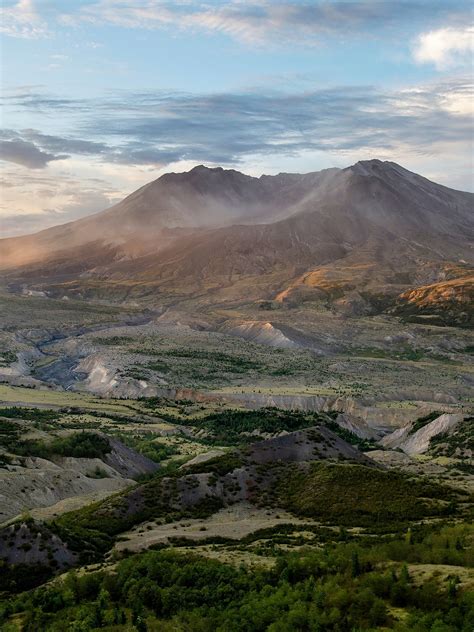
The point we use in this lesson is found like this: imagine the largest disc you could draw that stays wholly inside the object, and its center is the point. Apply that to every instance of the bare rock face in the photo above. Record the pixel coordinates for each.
(43, 483)
(418, 442)
(357, 426)
(366, 421)
(263, 333)
(100, 376)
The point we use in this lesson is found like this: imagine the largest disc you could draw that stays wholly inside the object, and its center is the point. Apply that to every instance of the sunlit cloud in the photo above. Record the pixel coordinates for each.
(22, 19)
(157, 128)
(31, 202)
(446, 47)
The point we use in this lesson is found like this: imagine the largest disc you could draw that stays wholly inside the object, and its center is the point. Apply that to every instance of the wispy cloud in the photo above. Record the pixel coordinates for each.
(252, 22)
(261, 20)
(158, 128)
(64, 144)
(446, 47)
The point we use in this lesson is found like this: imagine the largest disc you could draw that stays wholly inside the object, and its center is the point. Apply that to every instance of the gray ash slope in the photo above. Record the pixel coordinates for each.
(373, 228)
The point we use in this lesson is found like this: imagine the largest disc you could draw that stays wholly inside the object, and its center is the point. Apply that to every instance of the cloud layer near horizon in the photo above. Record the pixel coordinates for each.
(158, 128)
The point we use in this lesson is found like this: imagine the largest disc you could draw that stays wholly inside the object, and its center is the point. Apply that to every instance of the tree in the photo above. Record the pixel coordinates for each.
(377, 613)
(355, 564)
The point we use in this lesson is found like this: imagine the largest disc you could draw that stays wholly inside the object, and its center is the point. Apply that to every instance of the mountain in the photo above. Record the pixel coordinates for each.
(358, 237)
(146, 220)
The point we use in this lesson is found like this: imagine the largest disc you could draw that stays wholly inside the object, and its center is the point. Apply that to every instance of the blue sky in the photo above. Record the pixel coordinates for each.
(102, 96)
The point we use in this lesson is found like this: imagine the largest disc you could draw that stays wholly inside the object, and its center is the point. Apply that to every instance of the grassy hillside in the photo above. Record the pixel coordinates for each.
(355, 494)
(334, 492)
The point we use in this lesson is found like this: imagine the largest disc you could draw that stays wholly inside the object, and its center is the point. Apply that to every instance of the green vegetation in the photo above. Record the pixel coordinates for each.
(356, 494)
(7, 357)
(98, 472)
(114, 341)
(80, 445)
(232, 427)
(91, 530)
(199, 366)
(146, 444)
(337, 588)
(9, 435)
(29, 414)
(234, 363)
(459, 442)
(219, 465)
(216, 360)
(449, 313)
(237, 427)
(362, 444)
(338, 494)
(400, 353)
(20, 577)
(229, 427)
(421, 422)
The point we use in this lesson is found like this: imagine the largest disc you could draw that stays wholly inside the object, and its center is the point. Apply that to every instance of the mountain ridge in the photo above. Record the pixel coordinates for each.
(373, 228)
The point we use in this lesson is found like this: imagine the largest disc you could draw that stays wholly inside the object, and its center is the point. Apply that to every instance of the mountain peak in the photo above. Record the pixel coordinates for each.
(370, 167)
(202, 174)
(376, 167)
(204, 169)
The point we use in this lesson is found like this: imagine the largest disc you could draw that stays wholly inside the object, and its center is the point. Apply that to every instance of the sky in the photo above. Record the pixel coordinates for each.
(102, 96)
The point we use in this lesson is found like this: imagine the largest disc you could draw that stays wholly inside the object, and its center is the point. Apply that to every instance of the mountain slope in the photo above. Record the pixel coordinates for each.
(352, 235)
(448, 302)
(147, 220)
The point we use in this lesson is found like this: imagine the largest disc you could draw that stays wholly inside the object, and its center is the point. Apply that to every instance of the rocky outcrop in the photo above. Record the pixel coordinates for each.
(41, 483)
(357, 426)
(446, 302)
(100, 376)
(418, 442)
(305, 445)
(261, 332)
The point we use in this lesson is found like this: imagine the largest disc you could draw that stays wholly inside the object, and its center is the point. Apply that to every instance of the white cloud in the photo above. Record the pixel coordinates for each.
(445, 47)
(22, 20)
